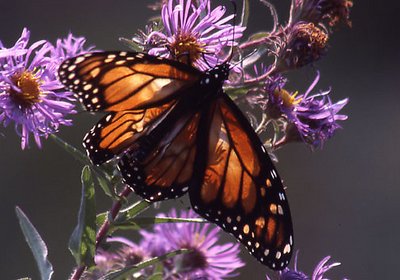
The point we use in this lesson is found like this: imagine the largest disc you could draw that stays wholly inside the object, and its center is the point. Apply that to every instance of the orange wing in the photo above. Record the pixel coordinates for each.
(161, 164)
(120, 81)
(119, 131)
(238, 188)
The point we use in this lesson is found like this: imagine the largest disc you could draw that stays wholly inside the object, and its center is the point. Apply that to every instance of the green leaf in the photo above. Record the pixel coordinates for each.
(83, 239)
(245, 13)
(258, 35)
(140, 223)
(101, 218)
(131, 44)
(76, 153)
(157, 273)
(236, 92)
(37, 245)
(258, 53)
(127, 271)
(156, 276)
(102, 173)
(103, 183)
(125, 215)
(134, 210)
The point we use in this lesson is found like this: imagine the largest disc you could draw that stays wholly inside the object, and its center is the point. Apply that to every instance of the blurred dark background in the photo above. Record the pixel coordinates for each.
(344, 198)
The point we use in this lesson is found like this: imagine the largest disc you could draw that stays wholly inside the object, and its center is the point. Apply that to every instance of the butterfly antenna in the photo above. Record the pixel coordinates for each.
(203, 54)
(244, 58)
(170, 51)
(234, 26)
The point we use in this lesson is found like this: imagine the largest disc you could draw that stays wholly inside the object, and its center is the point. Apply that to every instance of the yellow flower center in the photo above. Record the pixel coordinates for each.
(29, 85)
(186, 48)
(289, 100)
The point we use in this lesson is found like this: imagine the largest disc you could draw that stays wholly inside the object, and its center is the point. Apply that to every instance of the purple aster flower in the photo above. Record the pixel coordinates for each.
(31, 96)
(311, 118)
(105, 262)
(317, 11)
(195, 34)
(127, 254)
(295, 274)
(69, 47)
(207, 259)
(299, 45)
(149, 38)
(280, 102)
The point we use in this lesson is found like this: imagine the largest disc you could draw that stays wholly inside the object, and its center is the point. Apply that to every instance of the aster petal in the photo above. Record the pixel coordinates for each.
(194, 16)
(36, 45)
(24, 137)
(9, 52)
(322, 268)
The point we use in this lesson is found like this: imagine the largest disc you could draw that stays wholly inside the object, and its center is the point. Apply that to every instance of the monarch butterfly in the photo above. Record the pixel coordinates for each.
(174, 131)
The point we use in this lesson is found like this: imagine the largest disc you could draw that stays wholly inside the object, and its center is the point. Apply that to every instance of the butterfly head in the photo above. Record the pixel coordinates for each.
(219, 74)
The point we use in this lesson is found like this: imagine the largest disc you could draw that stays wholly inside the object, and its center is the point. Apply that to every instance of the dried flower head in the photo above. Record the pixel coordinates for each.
(301, 44)
(332, 12)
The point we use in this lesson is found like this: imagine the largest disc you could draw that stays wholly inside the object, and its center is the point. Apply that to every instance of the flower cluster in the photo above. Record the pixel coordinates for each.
(205, 260)
(31, 96)
(310, 118)
(194, 33)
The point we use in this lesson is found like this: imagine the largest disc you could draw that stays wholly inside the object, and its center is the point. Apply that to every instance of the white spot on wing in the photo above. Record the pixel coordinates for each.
(87, 87)
(78, 60)
(287, 249)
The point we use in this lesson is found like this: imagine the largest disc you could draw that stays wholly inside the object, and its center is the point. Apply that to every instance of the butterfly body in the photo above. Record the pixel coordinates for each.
(174, 131)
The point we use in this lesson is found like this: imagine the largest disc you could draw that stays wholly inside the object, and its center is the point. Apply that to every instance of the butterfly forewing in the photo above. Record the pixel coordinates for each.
(240, 189)
(119, 131)
(119, 81)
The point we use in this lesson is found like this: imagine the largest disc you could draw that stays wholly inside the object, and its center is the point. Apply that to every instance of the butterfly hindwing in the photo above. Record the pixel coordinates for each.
(240, 189)
(161, 165)
(119, 81)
